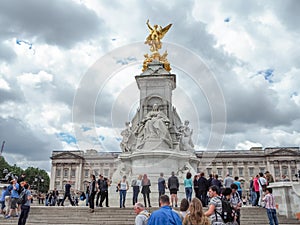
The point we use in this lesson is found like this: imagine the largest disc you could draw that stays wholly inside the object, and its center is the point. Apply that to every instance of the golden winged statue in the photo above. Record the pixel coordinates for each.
(156, 34)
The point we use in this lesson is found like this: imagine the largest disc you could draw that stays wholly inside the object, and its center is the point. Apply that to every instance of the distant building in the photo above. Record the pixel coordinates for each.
(77, 166)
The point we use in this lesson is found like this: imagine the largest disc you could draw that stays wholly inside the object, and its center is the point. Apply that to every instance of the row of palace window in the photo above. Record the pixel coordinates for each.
(252, 171)
(87, 172)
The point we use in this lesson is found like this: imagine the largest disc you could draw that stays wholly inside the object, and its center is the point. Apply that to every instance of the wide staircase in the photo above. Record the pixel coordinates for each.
(115, 216)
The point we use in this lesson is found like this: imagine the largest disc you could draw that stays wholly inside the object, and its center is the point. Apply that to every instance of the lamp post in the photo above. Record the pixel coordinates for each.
(38, 179)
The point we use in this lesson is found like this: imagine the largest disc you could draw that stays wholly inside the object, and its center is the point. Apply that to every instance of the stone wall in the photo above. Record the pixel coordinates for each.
(287, 198)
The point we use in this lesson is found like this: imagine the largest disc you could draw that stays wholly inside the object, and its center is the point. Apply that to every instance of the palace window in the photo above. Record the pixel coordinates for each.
(251, 171)
(261, 169)
(73, 172)
(96, 172)
(219, 171)
(277, 171)
(230, 171)
(106, 172)
(86, 173)
(57, 185)
(241, 172)
(285, 170)
(208, 171)
(58, 172)
(66, 172)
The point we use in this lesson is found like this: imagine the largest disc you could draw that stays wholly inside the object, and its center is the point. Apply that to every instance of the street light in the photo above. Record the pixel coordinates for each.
(38, 179)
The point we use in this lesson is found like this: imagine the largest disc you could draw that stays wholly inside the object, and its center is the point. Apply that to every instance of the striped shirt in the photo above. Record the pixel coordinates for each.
(270, 201)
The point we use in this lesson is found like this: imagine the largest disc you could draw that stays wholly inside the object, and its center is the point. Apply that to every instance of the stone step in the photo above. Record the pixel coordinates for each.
(113, 216)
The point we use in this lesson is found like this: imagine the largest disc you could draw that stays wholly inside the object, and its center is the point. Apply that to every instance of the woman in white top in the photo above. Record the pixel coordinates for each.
(122, 188)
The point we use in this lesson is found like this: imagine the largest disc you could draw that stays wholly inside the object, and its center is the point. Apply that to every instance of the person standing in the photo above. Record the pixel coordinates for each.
(239, 185)
(98, 185)
(188, 185)
(142, 215)
(146, 189)
(262, 182)
(228, 181)
(203, 188)
(161, 186)
(252, 192)
(269, 177)
(196, 188)
(13, 188)
(25, 208)
(215, 181)
(104, 192)
(256, 189)
(270, 206)
(4, 193)
(136, 185)
(55, 194)
(173, 185)
(123, 187)
(196, 215)
(165, 215)
(92, 193)
(236, 201)
(67, 194)
(215, 206)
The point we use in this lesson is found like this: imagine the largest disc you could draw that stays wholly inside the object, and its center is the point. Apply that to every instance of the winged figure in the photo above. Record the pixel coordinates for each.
(156, 34)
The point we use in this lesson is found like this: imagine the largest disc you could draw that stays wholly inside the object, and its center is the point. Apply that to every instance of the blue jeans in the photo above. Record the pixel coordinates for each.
(272, 216)
(188, 193)
(122, 198)
(253, 198)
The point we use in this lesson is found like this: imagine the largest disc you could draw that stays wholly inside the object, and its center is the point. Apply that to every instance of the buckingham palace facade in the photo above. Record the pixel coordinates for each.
(76, 166)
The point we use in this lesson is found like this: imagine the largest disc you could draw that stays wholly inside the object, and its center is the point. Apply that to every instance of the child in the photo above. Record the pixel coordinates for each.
(270, 206)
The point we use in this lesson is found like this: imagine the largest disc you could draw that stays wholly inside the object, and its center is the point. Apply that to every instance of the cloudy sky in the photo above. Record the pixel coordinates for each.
(67, 72)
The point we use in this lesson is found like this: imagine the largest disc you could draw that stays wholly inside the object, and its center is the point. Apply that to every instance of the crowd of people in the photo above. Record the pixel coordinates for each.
(15, 200)
(224, 201)
(200, 191)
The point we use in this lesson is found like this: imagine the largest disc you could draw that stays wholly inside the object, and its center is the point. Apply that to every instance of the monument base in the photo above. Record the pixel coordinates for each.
(153, 163)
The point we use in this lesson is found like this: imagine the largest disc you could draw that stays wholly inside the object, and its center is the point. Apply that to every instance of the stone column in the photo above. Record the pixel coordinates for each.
(53, 176)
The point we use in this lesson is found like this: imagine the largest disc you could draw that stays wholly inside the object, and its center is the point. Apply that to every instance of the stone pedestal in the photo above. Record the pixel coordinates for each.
(287, 198)
(153, 163)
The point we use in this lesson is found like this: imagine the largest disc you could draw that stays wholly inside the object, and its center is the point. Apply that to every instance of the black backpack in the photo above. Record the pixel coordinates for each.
(22, 198)
(227, 213)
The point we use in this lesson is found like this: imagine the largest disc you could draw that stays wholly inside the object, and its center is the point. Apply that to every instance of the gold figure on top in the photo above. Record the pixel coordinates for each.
(156, 34)
(153, 39)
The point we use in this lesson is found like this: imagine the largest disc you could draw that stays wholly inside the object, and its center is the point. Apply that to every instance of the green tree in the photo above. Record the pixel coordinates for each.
(38, 179)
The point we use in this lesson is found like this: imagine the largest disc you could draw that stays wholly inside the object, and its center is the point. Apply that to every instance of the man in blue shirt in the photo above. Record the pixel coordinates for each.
(13, 188)
(25, 208)
(165, 215)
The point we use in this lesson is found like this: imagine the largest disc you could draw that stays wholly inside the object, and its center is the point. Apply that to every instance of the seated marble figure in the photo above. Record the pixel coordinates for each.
(154, 127)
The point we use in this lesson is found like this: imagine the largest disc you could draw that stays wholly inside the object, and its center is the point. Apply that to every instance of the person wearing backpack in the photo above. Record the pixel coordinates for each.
(142, 215)
(25, 206)
(236, 202)
(215, 206)
(228, 212)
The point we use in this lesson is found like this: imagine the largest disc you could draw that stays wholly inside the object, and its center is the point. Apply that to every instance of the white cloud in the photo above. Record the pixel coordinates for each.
(4, 85)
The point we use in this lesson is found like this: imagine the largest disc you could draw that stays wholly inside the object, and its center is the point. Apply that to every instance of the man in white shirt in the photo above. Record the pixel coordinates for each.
(261, 181)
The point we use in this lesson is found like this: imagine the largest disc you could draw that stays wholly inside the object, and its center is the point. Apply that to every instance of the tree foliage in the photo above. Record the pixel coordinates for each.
(38, 179)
